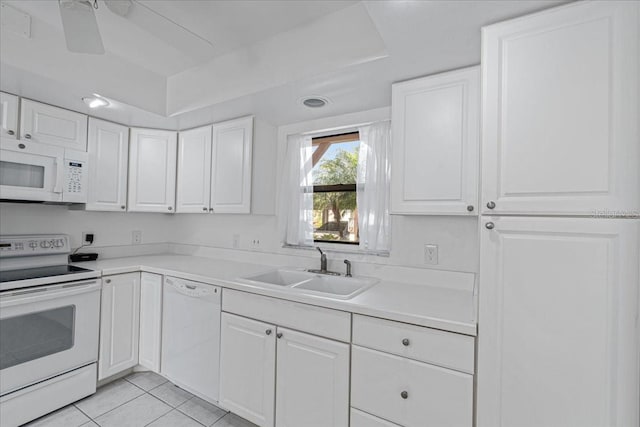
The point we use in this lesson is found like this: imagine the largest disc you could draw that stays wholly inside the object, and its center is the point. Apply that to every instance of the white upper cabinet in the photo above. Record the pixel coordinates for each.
(108, 147)
(152, 170)
(560, 111)
(194, 170)
(558, 330)
(435, 124)
(231, 166)
(8, 115)
(53, 125)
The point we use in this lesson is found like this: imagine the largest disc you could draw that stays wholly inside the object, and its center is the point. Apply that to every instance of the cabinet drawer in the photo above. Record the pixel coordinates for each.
(302, 317)
(434, 396)
(441, 348)
(362, 419)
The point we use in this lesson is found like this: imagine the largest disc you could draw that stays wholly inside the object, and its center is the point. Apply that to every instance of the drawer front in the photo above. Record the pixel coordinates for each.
(362, 419)
(320, 321)
(441, 348)
(434, 396)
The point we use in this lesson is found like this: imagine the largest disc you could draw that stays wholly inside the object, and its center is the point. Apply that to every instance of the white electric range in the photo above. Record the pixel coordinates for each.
(49, 327)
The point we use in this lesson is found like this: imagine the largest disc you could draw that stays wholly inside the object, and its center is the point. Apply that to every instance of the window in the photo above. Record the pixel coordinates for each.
(334, 172)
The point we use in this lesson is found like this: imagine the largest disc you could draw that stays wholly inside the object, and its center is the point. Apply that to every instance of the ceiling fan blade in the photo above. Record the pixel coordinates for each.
(80, 27)
(119, 7)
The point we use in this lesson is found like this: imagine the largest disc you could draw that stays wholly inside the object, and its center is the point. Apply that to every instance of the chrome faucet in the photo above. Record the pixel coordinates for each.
(323, 260)
(348, 263)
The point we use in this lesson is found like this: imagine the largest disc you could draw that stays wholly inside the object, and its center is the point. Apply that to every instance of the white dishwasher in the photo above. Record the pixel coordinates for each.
(191, 336)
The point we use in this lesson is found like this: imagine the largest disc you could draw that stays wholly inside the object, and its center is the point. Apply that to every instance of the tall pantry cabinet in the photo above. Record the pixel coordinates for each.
(558, 337)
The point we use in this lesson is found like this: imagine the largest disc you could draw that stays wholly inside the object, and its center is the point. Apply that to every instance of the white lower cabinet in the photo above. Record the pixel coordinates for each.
(312, 381)
(119, 323)
(362, 419)
(247, 368)
(150, 321)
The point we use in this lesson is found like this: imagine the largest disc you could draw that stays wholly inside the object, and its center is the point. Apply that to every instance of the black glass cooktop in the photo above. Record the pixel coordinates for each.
(39, 272)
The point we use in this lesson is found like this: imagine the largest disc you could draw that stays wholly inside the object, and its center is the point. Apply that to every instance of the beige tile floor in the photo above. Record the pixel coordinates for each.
(138, 400)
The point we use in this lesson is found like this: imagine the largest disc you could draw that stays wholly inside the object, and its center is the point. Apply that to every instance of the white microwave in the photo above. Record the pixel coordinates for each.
(32, 171)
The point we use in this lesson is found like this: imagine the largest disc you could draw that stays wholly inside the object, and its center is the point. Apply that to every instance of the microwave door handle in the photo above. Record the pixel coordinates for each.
(59, 166)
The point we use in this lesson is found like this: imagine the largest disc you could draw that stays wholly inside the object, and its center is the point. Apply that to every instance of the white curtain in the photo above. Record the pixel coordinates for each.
(296, 192)
(374, 173)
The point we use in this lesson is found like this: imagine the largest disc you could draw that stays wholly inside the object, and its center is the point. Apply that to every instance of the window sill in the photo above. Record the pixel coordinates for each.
(339, 248)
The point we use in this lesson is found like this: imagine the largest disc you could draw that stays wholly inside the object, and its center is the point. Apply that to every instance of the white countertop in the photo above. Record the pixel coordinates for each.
(432, 306)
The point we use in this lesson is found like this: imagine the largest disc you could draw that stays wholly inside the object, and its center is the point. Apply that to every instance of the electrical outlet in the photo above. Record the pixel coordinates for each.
(87, 237)
(255, 242)
(431, 254)
(136, 237)
(236, 241)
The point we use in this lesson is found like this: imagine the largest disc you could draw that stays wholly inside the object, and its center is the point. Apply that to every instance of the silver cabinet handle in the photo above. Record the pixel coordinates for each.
(268, 332)
(191, 287)
(470, 208)
(22, 146)
(170, 208)
(489, 226)
(491, 204)
(108, 280)
(122, 207)
(404, 394)
(210, 209)
(406, 342)
(205, 209)
(10, 132)
(27, 135)
(279, 335)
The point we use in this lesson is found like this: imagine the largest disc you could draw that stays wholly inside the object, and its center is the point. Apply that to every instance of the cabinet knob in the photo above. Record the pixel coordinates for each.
(205, 209)
(489, 226)
(27, 135)
(404, 395)
(406, 342)
(210, 209)
(170, 208)
(470, 208)
(10, 132)
(491, 204)
(108, 280)
(268, 332)
(122, 207)
(279, 335)
(22, 146)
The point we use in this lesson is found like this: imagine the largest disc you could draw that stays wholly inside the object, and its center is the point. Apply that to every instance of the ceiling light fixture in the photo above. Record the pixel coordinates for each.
(95, 101)
(315, 102)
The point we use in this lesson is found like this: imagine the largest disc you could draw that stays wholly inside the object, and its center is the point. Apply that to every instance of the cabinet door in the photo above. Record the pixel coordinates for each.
(108, 147)
(152, 171)
(150, 320)
(247, 368)
(194, 170)
(435, 144)
(8, 115)
(231, 166)
(312, 381)
(53, 125)
(558, 333)
(560, 113)
(119, 323)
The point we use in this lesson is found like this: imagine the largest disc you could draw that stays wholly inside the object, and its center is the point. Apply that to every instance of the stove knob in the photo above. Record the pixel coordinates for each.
(58, 243)
(33, 244)
(45, 244)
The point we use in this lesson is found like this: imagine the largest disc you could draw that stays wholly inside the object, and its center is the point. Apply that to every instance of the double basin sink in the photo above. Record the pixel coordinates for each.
(340, 287)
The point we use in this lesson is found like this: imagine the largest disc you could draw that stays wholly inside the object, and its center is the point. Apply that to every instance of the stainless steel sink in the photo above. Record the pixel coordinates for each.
(312, 283)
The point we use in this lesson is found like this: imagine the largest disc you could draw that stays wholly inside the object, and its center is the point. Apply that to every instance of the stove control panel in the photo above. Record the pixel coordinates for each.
(31, 245)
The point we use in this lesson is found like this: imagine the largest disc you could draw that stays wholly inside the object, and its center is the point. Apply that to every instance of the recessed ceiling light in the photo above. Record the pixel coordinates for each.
(95, 101)
(315, 102)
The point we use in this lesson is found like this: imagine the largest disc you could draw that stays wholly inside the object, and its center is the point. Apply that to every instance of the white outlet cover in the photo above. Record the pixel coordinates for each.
(431, 254)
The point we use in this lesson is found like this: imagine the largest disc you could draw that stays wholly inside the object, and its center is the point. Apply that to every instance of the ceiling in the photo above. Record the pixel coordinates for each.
(178, 64)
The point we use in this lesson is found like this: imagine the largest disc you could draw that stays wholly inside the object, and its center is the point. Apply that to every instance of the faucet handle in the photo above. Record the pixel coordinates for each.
(348, 263)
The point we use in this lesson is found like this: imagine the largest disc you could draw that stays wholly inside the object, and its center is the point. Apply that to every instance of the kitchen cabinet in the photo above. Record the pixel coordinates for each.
(194, 171)
(150, 321)
(108, 147)
(247, 368)
(362, 419)
(558, 330)
(152, 170)
(52, 125)
(312, 381)
(308, 385)
(231, 166)
(435, 148)
(8, 115)
(119, 324)
(560, 111)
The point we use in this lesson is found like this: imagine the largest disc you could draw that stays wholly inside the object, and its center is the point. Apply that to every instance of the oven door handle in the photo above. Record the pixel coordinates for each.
(45, 293)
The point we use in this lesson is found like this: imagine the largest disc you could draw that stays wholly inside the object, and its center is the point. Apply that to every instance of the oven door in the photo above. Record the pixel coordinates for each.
(46, 331)
(30, 171)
